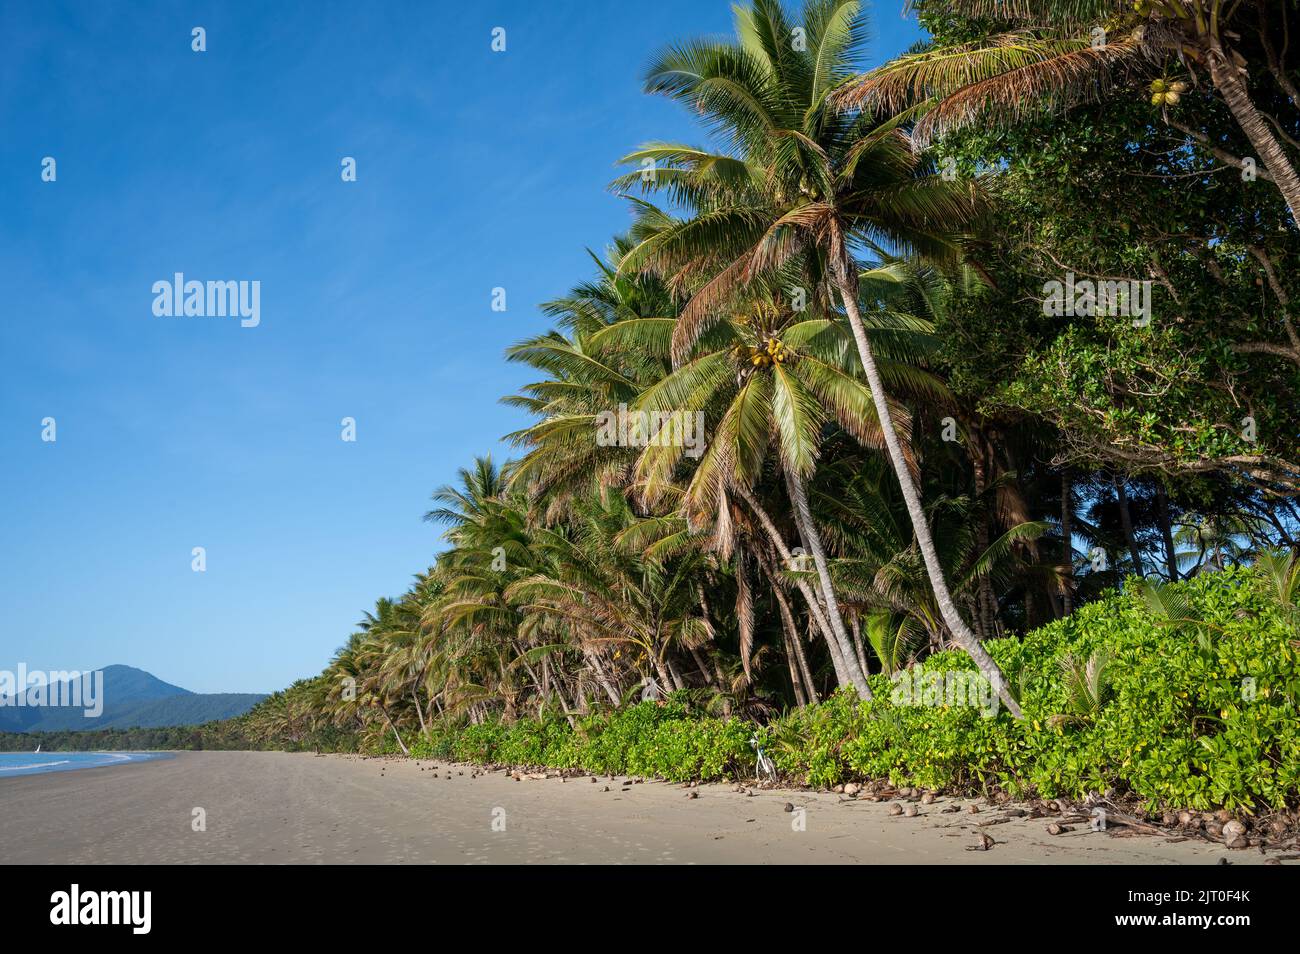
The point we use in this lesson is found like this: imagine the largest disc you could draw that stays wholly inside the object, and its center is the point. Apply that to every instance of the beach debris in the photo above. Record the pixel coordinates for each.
(973, 809)
(607, 788)
(1234, 835)
(927, 798)
(851, 789)
(1055, 828)
(693, 795)
(984, 844)
(895, 809)
(789, 807)
(910, 811)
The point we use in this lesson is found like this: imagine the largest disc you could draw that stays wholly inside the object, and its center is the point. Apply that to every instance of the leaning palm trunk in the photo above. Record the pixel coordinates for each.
(796, 645)
(961, 633)
(813, 540)
(815, 607)
(1228, 80)
(397, 735)
(419, 713)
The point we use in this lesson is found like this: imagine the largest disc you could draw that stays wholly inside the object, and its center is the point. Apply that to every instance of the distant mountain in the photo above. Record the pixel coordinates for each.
(131, 698)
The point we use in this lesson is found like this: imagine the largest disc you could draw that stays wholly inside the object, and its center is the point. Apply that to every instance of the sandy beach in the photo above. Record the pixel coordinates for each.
(299, 808)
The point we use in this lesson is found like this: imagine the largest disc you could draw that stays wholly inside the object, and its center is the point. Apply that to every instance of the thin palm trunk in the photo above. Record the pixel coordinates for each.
(790, 631)
(1067, 539)
(1126, 522)
(856, 626)
(601, 678)
(397, 735)
(984, 610)
(1228, 80)
(961, 633)
(787, 614)
(813, 541)
(809, 682)
(700, 665)
(419, 712)
(1167, 533)
(815, 608)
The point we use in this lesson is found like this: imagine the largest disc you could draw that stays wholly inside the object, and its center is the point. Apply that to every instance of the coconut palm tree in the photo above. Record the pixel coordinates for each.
(1046, 54)
(611, 596)
(798, 182)
(771, 379)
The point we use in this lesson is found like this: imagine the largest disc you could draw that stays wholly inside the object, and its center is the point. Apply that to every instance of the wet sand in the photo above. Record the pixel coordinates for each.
(299, 808)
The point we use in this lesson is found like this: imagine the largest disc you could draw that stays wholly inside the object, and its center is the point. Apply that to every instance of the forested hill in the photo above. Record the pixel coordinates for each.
(130, 698)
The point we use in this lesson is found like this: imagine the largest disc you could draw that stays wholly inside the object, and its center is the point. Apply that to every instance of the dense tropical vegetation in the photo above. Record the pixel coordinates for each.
(907, 463)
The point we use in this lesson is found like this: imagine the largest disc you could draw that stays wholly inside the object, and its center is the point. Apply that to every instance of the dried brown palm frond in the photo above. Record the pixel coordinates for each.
(1002, 79)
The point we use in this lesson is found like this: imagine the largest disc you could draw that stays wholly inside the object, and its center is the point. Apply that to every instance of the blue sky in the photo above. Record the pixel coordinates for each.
(475, 170)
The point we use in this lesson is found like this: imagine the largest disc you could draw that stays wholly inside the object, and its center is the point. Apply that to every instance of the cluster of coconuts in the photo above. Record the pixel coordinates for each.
(774, 353)
(1166, 92)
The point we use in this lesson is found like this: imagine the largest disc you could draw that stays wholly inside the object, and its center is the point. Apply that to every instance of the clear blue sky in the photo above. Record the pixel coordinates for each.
(475, 169)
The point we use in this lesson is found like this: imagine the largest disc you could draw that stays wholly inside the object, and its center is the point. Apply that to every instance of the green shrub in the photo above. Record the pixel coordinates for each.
(1197, 710)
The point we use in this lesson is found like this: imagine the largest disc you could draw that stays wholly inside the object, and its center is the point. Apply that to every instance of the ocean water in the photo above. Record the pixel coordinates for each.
(37, 763)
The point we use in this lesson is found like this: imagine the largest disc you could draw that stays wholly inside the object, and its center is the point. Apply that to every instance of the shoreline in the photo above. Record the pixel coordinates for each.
(292, 807)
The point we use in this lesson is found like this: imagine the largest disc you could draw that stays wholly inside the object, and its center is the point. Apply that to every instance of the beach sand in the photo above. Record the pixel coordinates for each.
(279, 807)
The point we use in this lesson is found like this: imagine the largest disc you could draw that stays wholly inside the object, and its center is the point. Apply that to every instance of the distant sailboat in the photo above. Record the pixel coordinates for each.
(38, 748)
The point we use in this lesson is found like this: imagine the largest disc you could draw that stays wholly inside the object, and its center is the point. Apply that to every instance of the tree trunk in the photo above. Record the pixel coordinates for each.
(809, 682)
(856, 625)
(961, 633)
(397, 735)
(1167, 533)
(812, 539)
(1067, 539)
(985, 612)
(599, 671)
(678, 681)
(796, 679)
(791, 631)
(1126, 522)
(699, 664)
(815, 608)
(665, 680)
(778, 589)
(424, 730)
(1229, 82)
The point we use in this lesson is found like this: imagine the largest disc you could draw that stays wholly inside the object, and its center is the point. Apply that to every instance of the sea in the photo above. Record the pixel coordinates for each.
(38, 763)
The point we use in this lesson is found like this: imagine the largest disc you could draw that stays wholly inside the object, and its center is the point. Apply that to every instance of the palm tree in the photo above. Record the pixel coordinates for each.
(800, 183)
(771, 378)
(879, 566)
(1049, 58)
(610, 595)
(1214, 541)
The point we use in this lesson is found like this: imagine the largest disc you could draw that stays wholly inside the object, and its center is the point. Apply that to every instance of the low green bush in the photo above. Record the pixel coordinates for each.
(1190, 702)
